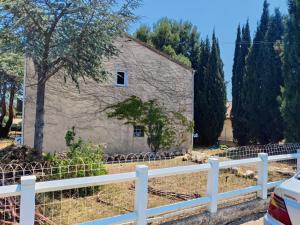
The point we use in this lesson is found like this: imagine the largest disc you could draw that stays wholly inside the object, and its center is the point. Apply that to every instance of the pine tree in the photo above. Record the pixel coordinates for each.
(271, 81)
(291, 95)
(251, 92)
(213, 115)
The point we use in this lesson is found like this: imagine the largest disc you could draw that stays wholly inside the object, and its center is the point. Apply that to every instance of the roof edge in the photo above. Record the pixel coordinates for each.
(160, 53)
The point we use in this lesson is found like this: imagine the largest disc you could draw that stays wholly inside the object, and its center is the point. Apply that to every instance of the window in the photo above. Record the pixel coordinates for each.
(138, 131)
(122, 79)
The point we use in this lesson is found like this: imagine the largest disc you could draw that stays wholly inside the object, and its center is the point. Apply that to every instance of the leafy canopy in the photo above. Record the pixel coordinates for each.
(180, 40)
(75, 35)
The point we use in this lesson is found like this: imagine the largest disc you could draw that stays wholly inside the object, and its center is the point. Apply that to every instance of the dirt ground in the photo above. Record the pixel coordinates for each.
(251, 220)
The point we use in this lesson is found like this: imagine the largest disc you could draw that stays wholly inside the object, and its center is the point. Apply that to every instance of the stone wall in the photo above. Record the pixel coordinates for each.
(150, 76)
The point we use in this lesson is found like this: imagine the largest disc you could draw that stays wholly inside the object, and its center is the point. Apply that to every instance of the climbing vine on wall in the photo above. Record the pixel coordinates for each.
(164, 129)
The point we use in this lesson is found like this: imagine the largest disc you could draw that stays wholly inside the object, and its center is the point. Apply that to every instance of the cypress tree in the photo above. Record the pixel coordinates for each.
(200, 100)
(236, 84)
(271, 81)
(252, 85)
(291, 74)
(243, 43)
(214, 86)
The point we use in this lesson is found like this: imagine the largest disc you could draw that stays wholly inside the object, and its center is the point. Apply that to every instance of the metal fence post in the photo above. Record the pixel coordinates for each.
(298, 161)
(213, 184)
(27, 206)
(263, 175)
(141, 194)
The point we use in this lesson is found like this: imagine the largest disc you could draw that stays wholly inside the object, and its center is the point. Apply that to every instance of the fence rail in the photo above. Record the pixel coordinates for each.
(29, 187)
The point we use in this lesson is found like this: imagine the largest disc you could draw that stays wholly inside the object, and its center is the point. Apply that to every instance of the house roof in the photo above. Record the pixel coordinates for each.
(160, 53)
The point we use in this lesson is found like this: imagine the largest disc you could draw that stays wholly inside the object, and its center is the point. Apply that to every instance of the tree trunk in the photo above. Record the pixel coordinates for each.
(3, 110)
(39, 112)
(9, 122)
(3, 104)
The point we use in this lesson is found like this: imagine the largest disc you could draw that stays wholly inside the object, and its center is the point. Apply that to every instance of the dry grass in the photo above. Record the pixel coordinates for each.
(5, 142)
(115, 199)
(118, 199)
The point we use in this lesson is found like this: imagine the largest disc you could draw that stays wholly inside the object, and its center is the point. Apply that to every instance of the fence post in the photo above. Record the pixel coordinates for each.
(213, 184)
(298, 161)
(27, 206)
(141, 194)
(263, 175)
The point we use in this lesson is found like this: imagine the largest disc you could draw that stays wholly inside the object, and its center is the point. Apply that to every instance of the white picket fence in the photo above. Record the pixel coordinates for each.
(29, 188)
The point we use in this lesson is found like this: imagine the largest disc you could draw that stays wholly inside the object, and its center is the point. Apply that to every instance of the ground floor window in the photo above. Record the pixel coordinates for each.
(138, 131)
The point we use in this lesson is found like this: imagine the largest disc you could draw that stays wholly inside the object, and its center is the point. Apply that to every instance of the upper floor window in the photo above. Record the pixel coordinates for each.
(122, 79)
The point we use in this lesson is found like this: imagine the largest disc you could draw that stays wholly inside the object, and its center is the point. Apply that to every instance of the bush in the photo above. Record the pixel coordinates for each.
(81, 160)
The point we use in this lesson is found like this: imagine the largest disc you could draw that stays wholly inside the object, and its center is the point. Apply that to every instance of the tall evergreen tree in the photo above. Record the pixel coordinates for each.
(236, 84)
(251, 92)
(200, 98)
(291, 95)
(271, 81)
(243, 43)
(215, 95)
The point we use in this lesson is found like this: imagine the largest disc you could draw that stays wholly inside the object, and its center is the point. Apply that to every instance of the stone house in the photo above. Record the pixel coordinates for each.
(138, 70)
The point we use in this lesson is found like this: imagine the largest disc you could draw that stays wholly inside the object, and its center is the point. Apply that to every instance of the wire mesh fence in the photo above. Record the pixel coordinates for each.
(84, 204)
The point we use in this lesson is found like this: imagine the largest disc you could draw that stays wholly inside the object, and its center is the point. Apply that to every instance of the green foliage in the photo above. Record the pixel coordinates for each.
(84, 156)
(11, 76)
(162, 128)
(74, 35)
(242, 47)
(256, 115)
(290, 105)
(180, 40)
(212, 118)
(70, 137)
(180, 58)
(271, 82)
(252, 83)
(200, 90)
(143, 33)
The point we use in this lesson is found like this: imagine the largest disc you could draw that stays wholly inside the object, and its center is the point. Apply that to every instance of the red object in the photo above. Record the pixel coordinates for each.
(277, 209)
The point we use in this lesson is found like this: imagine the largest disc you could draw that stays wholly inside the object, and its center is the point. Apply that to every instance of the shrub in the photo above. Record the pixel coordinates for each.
(81, 160)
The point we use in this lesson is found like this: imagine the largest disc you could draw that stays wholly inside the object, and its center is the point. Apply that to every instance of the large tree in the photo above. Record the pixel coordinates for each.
(200, 91)
(270, 118)
(11, 75)
(70, 36)
(243, 43)
(11, 71)
(181, 40)
(251, 92)
(291, 95)
(212, 119)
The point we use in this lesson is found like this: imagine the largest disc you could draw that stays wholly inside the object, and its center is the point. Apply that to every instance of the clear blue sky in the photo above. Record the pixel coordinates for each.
(221, 15)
